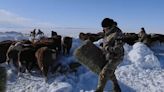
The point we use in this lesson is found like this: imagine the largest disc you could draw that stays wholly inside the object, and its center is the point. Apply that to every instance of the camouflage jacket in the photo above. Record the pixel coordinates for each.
(112, 44)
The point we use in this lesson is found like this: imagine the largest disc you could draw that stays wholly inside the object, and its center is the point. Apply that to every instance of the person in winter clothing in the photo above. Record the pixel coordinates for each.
(114, 53)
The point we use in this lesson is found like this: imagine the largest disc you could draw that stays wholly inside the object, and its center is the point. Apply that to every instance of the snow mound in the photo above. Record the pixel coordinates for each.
(132, 79)
(143, 73)
(143, 57)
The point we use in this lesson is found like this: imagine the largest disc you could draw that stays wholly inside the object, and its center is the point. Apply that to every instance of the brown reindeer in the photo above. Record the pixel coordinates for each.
(46, 59)
(4, 45)
(67, 44)
(53, 33)
(27, 59)
(52, 42)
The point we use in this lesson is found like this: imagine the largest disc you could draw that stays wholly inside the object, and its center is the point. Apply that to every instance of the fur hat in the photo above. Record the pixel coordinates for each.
(107, 22)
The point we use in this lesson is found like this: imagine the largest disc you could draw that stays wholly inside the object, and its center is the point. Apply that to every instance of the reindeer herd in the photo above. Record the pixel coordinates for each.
(43, 54)
(129, 38)
(39, 54)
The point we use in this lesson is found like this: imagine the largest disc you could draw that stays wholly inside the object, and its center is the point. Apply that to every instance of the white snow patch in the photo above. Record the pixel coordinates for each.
(143, 57)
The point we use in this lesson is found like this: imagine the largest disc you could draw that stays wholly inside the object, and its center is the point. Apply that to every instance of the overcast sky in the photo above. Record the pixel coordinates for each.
(130, 15)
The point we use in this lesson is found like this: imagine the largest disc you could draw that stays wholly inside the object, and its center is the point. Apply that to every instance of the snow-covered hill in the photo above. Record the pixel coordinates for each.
(142, 70)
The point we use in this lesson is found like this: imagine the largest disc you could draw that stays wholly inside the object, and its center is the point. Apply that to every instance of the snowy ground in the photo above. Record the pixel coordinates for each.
(142, 70)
